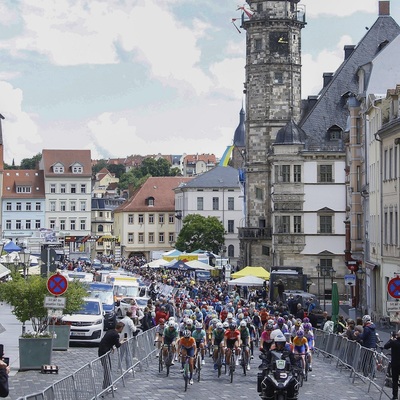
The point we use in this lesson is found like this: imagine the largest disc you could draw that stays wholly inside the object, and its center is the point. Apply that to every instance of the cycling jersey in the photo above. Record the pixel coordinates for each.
(170, 335)
(244, 333)
(187, 343)
(218, 335)
(232, 334)
(199, 335)
(300, 344)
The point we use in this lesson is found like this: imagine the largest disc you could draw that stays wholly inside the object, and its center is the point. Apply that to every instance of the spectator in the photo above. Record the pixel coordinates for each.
(324, 319)
(368, 336)
(394, 345)
(328, 325)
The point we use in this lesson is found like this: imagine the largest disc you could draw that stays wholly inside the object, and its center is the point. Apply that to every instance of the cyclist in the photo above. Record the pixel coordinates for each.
(309, 335)
(199, 335)
(296, 326)
(217, 341)
(187, 345)
(159, 334)
(170, 337)
(281, 325)
(300, 344)
(245, 340)
(232, 341)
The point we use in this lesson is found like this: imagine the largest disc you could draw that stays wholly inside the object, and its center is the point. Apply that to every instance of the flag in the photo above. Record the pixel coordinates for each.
(247, 11)
(226, 156)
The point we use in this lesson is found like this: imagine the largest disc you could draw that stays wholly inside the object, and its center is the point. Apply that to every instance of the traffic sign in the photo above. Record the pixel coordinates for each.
(54, 302)
(350, 280)
(394, 287)
(57, 284)
(392, 306)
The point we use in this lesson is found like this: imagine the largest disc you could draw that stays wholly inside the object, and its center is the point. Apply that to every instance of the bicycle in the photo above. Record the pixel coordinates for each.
(197, 364)
(219, 360)
(245, 357)
(232, 365)
(160, 361)
(302, 366)
(186, 371)
(169, 358)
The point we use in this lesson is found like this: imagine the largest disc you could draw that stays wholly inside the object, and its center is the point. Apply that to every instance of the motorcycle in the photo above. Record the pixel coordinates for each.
(279, 381)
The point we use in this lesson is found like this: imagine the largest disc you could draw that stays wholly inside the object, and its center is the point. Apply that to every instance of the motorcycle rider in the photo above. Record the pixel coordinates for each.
(282, 347)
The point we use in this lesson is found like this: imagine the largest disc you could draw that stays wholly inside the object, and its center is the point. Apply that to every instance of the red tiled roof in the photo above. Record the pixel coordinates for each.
(67, 158)
(160, 188)
(193, 158)
(23, 177)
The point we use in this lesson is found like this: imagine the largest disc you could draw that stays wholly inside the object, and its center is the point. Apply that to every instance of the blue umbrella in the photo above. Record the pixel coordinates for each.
(10, 247)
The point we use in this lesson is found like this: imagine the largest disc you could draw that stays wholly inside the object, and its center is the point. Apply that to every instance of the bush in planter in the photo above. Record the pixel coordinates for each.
(26, 296)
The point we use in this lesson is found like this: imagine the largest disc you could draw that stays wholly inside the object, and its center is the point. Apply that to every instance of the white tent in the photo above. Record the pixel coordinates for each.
(247, 281)
(199, 265)
(156, 263)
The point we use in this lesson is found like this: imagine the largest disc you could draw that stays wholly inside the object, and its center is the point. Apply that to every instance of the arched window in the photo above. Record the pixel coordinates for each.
(231, 250)
(150, 201)
(100, 228)
(334, 133)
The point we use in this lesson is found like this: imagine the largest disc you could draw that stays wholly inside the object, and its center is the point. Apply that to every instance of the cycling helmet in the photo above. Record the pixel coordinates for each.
(275, 333)
(232, 326)
(280, 338)
(300, 333)
(199, 325)
(230, 315)
(214, 321)
(220, 325)
(306, 319)
(187, 333)
(188, 305)
(161, 321)
(297, 322)
(241, 316)
(281, 320)
(366, 318)
(243, 323)
(239, 310)
(307, 326)
(189, 321)
(171, 319)
(171, 324)
(270, 324)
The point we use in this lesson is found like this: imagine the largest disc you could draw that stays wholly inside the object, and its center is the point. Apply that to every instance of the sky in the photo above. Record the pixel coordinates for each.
(125, 77)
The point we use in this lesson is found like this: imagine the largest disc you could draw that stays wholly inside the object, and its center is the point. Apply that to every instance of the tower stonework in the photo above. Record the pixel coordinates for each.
(273, 98)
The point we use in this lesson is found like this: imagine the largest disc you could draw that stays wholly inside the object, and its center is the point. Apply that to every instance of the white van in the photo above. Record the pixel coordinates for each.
(87, 324)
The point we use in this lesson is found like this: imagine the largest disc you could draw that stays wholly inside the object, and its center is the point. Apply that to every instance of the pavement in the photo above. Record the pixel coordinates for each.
(325, 381)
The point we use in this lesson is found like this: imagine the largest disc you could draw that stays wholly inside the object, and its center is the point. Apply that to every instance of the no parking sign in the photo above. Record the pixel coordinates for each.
(394, 287)
(57, 284)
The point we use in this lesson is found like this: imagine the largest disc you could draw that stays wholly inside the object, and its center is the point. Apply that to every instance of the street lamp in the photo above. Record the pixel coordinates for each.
(24, 258)
(325, 271)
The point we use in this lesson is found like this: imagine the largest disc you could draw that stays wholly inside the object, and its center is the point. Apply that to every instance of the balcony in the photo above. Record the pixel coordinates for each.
(255, 233)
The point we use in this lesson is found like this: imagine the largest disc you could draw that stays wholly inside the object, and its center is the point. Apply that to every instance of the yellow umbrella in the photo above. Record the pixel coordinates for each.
(260, 272)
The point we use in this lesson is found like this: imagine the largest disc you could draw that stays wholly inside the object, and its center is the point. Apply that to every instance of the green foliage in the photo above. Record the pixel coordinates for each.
(200, 232)
(99, 166)
(26, 296)
(117, 169)
(31, 163)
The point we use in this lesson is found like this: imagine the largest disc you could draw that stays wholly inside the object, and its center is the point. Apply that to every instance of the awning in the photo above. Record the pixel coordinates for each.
(4, 271)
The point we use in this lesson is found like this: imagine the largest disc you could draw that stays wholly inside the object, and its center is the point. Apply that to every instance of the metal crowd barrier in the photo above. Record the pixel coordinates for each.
(98, 376)
(371, 366)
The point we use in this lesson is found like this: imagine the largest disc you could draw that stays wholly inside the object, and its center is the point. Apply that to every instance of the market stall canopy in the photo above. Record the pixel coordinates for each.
(199, 265)
(259, 272)
(180, 265)
(172, 254)
(4, 271)
(247, 281)
(156, 263)
(11, 246)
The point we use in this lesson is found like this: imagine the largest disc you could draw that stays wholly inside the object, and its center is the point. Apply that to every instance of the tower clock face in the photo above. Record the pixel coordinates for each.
(279, 42)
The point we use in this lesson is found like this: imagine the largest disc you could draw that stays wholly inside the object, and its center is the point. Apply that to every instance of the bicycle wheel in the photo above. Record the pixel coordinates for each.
(198, 362)
(232, 366)
(306, 369)
(219, 362)
(168, 361)
(244, 361)
(186, 371)
(160, 361)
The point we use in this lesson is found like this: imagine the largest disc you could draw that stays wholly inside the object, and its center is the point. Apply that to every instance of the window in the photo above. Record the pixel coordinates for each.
(24, 189)
(385, 165)
(215, 202)
(396, 229)
(82, 205)
(259, 194)
(130, 237)
(395, 163)
(141, 218)
(171, 218)
(325, 224)
(52, 188)
(63, 205)
(141, 237)
(259, 9)
(385, 228)
(325, 173)
(171, 237)
(18, 206)
(8, 206)
(200, 203)
(265, 250)
(231, 203)
(38, 206)
(100, 228)
(38, 225)
(100, 213)
(160, 218)
(63, 188)
(27, 224)
(358, 184)
(73, 187)
(151, 237)
(258, 44)
(72, 206)
(390, 162)
(297, 224)
(83, 187)
(391, 227)
(231, 226)
(58, 169)
(130, 219)
(285, 171)
(52, 223)
(297, 173)
(52, 206)
(72, 224)
(62, 224)
(18, 224)
(161, 237)
(282, 224)
(8, 224)
(77, 169)
(231, 250)
(278, 78)
(325, 262)
(28, 206)
(151, 218)
(150, 201)
(358, 131)
(83, 224)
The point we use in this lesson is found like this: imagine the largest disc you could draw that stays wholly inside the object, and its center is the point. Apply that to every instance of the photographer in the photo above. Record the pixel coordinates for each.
(394, 345)
(4, 371)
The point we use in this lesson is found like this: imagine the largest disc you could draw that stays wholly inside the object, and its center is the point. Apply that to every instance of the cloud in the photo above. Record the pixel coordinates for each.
(339, 8)
(20, 131)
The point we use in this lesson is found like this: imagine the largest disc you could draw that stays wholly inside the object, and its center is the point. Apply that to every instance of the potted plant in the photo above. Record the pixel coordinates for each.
(27, 296)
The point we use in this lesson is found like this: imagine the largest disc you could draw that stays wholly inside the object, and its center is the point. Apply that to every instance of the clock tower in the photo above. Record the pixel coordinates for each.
(273, 98)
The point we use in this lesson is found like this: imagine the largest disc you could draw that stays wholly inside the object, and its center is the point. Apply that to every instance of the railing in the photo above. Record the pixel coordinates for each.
(255, 233)
(371, 366)
(98, 376)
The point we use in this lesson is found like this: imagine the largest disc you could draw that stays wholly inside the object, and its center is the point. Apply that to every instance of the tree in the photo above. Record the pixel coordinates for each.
(31, 163)
(26, 296)
(117, 169)
(200, 232)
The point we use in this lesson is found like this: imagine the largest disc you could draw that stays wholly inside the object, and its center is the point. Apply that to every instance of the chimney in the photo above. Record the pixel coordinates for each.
(384, 8)
(348, 50)
(327, 77)
(311, 100)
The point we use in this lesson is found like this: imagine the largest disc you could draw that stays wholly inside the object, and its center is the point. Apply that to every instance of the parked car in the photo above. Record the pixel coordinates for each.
(96, 264)
(104, 292)
(85, 260)
(125, 304)
(87, 325)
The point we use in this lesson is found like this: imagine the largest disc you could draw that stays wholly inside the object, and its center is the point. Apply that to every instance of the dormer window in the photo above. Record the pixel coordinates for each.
(58, 168)
(335, 133)
(77, 168)
(24, 189)
(150, 201)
